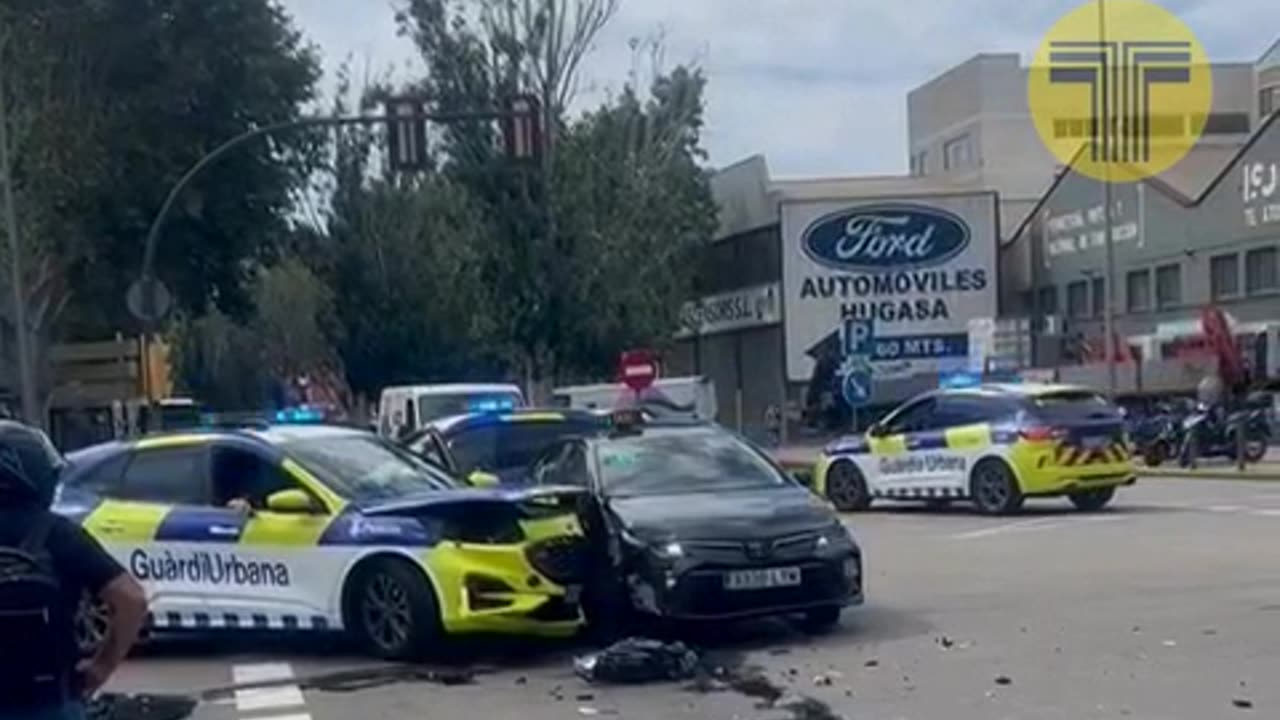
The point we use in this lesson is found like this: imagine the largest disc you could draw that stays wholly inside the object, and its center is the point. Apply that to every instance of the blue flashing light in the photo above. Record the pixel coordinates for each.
(492, 404)
(299, 415)
(958, 380)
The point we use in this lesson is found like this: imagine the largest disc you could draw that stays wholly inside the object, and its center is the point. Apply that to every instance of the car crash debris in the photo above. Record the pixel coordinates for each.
(638, 660)
(114, 706)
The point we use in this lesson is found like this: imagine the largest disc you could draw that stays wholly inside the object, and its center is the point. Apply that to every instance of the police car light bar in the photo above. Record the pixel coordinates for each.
(492, 405)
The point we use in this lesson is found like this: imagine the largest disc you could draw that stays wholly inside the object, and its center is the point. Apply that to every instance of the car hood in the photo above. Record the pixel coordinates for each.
(733, 514)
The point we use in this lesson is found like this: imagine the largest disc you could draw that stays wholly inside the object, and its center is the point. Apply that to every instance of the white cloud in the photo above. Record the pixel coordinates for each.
(818, 86)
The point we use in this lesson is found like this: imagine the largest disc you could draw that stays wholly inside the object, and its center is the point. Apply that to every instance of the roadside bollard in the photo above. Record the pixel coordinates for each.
(1240, 442)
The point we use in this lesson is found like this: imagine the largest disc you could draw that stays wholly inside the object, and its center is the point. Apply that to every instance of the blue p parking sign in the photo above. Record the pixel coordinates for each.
(857, 343)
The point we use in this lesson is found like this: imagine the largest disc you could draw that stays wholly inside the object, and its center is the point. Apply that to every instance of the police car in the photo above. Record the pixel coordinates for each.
(316, 527)
(995, 445)
(490, 448)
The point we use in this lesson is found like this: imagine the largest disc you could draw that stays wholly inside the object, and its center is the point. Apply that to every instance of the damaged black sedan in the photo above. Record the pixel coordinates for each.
(691, 522)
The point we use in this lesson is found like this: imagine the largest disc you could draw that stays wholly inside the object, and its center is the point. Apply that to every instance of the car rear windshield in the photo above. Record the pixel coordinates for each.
(1073, 405)
(434, 407)
(663, 462)
(364, 467)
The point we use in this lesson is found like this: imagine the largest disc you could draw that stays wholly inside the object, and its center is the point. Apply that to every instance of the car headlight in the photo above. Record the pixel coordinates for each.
(670, 551)
(834, 534)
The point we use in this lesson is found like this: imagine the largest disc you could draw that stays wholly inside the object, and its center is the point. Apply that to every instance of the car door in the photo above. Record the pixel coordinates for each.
(145, 520)
(897, 443)
(280, 575)
(965, 422)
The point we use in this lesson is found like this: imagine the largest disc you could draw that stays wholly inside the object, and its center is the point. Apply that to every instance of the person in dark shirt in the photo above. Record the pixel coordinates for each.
(29, 471)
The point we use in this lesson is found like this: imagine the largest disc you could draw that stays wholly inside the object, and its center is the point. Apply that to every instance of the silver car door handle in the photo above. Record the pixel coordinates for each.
(224, 530)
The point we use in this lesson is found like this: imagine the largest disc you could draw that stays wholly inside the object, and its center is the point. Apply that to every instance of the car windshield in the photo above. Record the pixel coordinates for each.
(434, 407)
(364, 467)
(663, 462)
(1067, 405)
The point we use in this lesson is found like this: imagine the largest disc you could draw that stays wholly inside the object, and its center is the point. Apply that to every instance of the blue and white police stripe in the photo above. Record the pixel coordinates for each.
(234, 621)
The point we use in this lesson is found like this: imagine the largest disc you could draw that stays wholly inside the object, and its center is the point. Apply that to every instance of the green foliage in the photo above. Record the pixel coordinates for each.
(565, 265)
(234, 365)
(121, 98)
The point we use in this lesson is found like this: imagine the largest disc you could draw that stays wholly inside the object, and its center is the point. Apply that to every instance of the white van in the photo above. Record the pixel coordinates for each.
(688, 396)
(405, 408)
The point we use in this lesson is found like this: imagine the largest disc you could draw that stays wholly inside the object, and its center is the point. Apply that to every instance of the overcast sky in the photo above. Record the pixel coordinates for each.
(817, 86)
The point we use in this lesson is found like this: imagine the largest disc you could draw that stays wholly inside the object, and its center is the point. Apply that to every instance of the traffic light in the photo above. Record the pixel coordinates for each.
(407, 137)
(522, 128)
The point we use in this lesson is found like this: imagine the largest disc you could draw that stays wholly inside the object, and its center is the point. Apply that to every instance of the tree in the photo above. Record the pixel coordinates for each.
(592, 251)
(234, 365)
(112, 102)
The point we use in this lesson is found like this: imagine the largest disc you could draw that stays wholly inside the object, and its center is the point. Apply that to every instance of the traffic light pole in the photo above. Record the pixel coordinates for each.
(527, 110)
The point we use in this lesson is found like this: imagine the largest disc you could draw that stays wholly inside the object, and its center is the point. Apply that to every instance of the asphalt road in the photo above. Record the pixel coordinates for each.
(1166, 606)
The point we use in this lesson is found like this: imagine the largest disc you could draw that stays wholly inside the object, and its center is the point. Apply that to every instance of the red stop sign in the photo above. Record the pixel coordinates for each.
(638, 369)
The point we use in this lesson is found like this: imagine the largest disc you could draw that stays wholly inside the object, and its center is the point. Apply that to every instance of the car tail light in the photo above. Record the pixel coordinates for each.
(1041, 433)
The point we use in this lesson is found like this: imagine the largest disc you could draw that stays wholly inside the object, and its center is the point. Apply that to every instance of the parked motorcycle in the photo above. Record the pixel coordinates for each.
(1158, 439)
(1208, 434)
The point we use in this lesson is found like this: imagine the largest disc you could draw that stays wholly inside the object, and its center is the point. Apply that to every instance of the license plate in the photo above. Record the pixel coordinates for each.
(762, 579)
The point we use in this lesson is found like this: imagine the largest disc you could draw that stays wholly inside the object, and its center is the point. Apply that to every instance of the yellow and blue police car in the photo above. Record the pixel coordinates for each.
(995, 445)
(317, 527)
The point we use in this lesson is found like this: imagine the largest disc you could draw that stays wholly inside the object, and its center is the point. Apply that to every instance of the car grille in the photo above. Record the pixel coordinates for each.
(562, 560)
(702, 592)
(797, 546)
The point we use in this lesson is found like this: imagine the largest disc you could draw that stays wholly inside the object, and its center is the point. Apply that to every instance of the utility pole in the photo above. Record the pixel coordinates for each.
(1109, 264)
(26, 384)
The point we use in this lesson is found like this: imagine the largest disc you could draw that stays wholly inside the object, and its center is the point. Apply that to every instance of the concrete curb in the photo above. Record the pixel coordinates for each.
(1263, 475)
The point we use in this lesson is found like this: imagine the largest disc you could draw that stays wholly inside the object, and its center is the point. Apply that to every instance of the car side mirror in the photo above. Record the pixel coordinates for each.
(482, 479)
(293, 502)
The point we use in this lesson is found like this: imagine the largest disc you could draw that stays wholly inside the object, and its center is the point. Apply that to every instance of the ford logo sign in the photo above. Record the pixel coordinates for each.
(876, 238)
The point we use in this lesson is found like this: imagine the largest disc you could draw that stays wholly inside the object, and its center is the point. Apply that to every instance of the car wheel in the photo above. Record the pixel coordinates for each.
(1093, 500)
(994, 489)
(821, 620)
(1155, 454)
(1255, 448)
(93, 618)
(846, 488)
(393, 611)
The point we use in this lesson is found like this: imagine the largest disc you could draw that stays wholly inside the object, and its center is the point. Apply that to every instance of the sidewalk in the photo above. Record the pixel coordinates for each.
(1266, 471)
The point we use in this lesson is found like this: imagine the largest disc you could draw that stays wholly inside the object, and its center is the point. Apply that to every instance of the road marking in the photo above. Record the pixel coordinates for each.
(266, 698)
(298, 716)
(1224, 508)
(1007, 527)
(1267, 513)
(1036, 525)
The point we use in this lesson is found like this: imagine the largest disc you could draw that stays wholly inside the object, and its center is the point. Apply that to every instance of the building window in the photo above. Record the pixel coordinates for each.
(1138, 291)
(918, 163)
(1226, 124)
(1268, 101)
(1078, 299)
(1099, 297)
(1224, 276)
(1049, 300)
(1168, 286)
(1261, 274)
(958, 153)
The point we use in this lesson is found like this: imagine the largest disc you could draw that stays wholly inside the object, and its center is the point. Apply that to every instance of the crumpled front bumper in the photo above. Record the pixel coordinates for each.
(692, 590)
